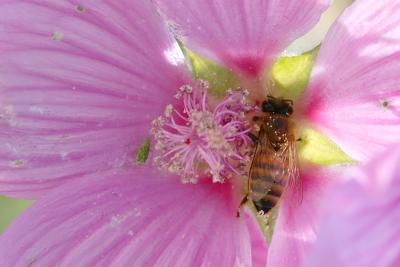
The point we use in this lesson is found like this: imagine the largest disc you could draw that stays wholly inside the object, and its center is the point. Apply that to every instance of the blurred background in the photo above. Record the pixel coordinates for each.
(10, 208)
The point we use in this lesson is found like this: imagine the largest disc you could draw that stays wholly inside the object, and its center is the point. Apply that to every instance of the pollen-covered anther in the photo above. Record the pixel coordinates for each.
(198, 141)
(168, 111)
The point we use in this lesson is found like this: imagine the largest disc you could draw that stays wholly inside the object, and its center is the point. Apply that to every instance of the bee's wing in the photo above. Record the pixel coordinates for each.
(294, 185)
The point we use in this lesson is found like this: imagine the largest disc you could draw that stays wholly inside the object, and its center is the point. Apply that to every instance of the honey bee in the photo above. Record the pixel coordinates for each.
(274, 164)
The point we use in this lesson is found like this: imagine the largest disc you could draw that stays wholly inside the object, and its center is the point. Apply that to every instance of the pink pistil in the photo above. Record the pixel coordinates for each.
(200, 141)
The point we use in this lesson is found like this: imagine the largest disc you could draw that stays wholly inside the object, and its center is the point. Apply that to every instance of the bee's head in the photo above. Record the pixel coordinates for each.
(277, 106)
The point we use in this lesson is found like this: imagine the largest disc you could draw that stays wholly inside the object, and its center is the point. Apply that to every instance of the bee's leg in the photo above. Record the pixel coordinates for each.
(253, 137)
(244, 200)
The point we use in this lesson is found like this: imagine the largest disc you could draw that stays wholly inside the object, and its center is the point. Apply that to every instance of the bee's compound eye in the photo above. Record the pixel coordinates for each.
(285, 110)
(267, 106)
(289, 110)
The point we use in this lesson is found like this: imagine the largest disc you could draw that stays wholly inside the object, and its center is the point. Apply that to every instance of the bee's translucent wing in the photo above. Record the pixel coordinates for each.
(294, 183)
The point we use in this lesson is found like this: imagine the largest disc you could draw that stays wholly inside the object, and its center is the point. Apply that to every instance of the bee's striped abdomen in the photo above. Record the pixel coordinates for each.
(267, 185)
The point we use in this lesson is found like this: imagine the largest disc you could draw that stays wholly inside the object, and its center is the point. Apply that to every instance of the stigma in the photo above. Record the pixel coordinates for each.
(196, 141)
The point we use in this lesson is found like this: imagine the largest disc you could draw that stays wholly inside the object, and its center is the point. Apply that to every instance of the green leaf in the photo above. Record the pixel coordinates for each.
(219, 78)
(9, 209)
(290, 75)
(316, 148)
(143, 152)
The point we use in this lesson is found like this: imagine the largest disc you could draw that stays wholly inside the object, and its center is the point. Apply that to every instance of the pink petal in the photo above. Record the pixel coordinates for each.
(245, 35)
(297, 223)
(145, 219)
(354, 95)
(361, 222)
(259, 249)
(81, 103)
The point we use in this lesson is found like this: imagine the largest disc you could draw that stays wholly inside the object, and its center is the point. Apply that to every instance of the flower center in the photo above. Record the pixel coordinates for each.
(197, 140)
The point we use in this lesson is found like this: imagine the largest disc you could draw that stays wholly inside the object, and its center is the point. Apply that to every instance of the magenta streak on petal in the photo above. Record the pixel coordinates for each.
(74, 87)
(250, 66)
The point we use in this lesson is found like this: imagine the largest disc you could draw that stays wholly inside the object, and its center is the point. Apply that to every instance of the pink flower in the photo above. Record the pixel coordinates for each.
(361, 217)
(80, 84)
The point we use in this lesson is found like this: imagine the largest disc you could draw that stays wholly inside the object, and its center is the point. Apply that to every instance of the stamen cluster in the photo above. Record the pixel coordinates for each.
(198, 141)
